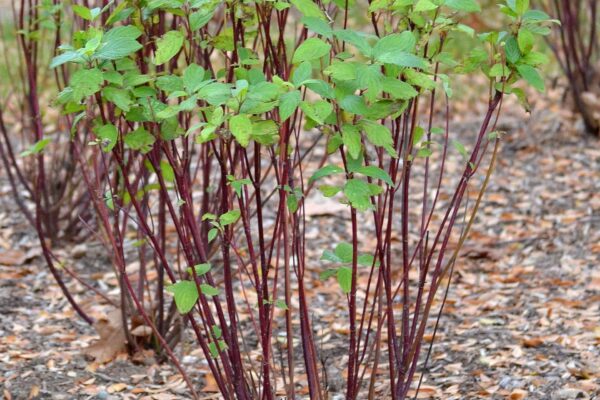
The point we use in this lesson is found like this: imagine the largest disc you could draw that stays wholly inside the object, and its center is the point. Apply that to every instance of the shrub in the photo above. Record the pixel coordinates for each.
(210, 123)
(576, 50)
(35, 145)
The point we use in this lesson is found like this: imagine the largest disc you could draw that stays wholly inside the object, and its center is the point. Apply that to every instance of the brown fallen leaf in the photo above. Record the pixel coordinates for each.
(210, 385)
(142, 331)
(112, 338)
(12, 257)
(532, 342)
(518, 394)
(117, 387)
(34, 392)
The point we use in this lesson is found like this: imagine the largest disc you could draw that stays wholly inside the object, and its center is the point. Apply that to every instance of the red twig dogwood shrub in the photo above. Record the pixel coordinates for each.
(201, 127)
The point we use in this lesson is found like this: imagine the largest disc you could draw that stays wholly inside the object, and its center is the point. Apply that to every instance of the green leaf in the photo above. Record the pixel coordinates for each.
(119, 42)
(329, 191)
(308, 8)
(342, 71)
(357, 39)
(325, 171)
(536, 15)
(167, 171)
(526, 40)
(311, 49)
(328, 273)
(424, 152)
(317, 111)
(358, 193)
(170, 83)
(186, 295)
(460, 148)
(343, 251)
(521, 6)
(354, 104)
(404, 42)
(378, 135)
(36, 148)
(199, 19)
(419, 79)
(216, 348)
(241, 128)
(168, 46)
(511, 48)
(375, 172)
(66, 57)
(200, 269)
(424, 5)
(319, 26)
(288, 103)
(352, 140)
(217, 332)
(463, 5)
(118, 97)
(302, 73)
(399, 89)
(85, 82)
(108, 134)
(499, 70)
(209, 290)
(193, 77)
(82, 11)
(532, 76)
(344, 278)
(281, 304)
(212, 234)
(140, 139)
(342, 254)
(229, 217)
(215, 93)
(403, 59)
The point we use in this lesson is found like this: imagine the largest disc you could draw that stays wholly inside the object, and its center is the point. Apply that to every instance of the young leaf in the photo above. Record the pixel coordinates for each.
(186, 295)
(85, 82)
(119, 42)
(404, 42)
(200, 269)
(351, 139)
(460, 148)
(229, 217)
(108, 134)
(140, 139)
(424, 5)
(317, 111)
(288, 103)
(212, 234)
(36, 148)
(402, 59)
(344, 278)
(311, 49)
(376, 173)
(308, 8)
(532, 76)
(208, 290)
(168, 46)
(241, 128)
(463, 5)
(326, 171)
(358, 193)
